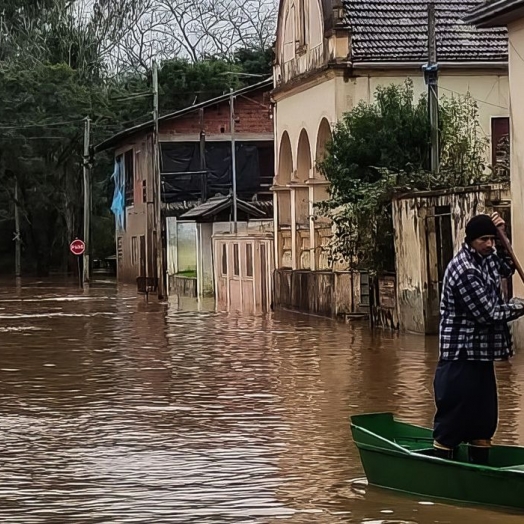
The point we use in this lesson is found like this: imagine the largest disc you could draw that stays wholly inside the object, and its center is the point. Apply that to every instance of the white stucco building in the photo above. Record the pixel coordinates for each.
(331, 55)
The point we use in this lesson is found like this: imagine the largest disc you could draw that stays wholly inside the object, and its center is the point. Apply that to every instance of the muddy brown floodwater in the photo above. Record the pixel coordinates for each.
(117, 411)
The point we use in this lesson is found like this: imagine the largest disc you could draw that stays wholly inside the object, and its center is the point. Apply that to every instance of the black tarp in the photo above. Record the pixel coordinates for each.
(181, 158)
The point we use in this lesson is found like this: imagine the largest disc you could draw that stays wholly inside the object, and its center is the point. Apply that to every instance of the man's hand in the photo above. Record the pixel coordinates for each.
(517, 302)
(498, 221)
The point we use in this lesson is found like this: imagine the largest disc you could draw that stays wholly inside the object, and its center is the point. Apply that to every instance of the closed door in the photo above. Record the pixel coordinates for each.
(263, 278)
(439, 252)
(142, 256)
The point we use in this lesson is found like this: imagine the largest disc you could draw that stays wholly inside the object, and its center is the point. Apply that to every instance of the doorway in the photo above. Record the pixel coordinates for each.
(439, 252)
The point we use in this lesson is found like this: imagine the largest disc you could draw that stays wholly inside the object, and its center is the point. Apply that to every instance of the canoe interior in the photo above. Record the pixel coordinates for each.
(383, 431)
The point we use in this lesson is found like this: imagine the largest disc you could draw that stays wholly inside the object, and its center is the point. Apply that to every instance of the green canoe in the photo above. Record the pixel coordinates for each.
(397, 456)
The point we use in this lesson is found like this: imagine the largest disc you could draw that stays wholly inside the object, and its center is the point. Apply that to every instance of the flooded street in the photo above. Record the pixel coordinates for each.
(118, 411)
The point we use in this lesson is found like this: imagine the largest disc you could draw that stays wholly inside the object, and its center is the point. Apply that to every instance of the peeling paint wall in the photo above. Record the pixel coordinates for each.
(326, 293)
(410, 287)
(417, 301)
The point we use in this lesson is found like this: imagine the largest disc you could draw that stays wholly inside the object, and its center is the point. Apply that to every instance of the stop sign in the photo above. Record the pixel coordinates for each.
(77, 247)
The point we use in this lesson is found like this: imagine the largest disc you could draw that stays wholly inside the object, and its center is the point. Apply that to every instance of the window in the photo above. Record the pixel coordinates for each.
(144, 192)
(224, 259)
(236, 264)
(130, 177)
(301, 24)
(249, 260)
(289, 35)
(499, 139)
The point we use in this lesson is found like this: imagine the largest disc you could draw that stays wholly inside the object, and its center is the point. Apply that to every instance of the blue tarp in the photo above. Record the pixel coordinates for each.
(118, 207)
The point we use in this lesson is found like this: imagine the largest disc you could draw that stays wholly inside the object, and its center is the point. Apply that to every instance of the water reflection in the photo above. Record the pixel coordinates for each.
(115, 410)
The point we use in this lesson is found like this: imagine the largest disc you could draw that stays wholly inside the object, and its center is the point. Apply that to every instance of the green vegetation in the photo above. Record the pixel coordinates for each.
(59, 63)
(383, 147)
(189, 273)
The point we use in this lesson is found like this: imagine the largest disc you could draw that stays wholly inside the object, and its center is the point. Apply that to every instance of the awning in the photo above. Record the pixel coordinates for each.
(218, 204)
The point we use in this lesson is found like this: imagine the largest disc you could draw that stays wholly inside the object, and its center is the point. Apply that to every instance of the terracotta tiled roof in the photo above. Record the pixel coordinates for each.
(396, 31)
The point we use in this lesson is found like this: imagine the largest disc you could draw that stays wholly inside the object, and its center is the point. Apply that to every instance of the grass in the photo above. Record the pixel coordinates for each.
(189, 273)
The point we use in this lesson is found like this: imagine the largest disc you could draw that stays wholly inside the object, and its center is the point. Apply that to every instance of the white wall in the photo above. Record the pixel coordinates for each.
(516, 81)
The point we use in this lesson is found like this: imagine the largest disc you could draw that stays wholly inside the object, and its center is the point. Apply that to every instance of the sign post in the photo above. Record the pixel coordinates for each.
(77, 247)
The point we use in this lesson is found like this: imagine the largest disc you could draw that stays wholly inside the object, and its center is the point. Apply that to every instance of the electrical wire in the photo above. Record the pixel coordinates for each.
(516, 51)
(51, 124)
(476, 99)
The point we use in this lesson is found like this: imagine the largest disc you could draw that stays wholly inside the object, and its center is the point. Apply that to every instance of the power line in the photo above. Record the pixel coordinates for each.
(51, 124)
(516, 51)
(256, 102)
(476, 99)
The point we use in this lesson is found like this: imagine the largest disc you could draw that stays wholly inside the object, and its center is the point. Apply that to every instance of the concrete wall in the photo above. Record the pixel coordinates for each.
(415, 247)
(325, 293)
(516, 79)
(138, 214)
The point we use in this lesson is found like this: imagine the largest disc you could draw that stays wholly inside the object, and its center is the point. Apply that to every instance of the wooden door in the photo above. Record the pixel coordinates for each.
(142, 256)
(439, 252)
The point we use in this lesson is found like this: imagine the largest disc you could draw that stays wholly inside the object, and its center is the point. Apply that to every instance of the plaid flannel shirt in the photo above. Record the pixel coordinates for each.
(473, 315)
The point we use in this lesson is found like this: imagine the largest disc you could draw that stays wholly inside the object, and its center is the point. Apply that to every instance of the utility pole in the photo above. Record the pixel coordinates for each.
(17, 237)
(203, 178)
(157, 187)
(431, 77)
(233, 158)
(87, 202)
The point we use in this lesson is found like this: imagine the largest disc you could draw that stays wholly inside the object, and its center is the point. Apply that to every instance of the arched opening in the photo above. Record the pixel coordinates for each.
(285, 169)
(285, 161)
(303, 174)
(303, 157)
(320, 193)
(323, 137)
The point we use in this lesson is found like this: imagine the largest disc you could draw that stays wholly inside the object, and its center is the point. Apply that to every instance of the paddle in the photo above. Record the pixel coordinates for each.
(505, 241)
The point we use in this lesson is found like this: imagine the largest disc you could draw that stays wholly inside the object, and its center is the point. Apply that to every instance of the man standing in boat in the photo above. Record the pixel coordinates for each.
(473, 333)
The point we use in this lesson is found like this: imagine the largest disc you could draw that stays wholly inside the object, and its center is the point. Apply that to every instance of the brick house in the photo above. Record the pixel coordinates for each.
(188, 177)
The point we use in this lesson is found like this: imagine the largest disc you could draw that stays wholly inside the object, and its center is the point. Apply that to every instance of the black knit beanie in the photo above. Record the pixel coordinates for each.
(480, 226)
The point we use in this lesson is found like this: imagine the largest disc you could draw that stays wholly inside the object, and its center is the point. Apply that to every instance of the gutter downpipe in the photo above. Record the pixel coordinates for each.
(413, 65)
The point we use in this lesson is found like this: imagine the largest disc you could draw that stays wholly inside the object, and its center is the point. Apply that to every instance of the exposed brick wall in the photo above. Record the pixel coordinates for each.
(251, 117)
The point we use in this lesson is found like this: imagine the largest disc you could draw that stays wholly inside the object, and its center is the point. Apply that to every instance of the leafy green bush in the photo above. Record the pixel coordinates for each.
(383, 147)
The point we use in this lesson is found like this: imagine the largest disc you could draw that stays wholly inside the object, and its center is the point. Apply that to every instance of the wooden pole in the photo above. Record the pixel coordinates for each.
(507, 245)
(157, 188)
(233, 159)
(203, 178)
(18, 239)
(87, 203)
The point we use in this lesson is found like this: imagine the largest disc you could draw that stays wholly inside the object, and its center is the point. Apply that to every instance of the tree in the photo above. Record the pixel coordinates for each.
(254, 61)
(168, 29)
(382, 147)
(42, 118)
(62, 60)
